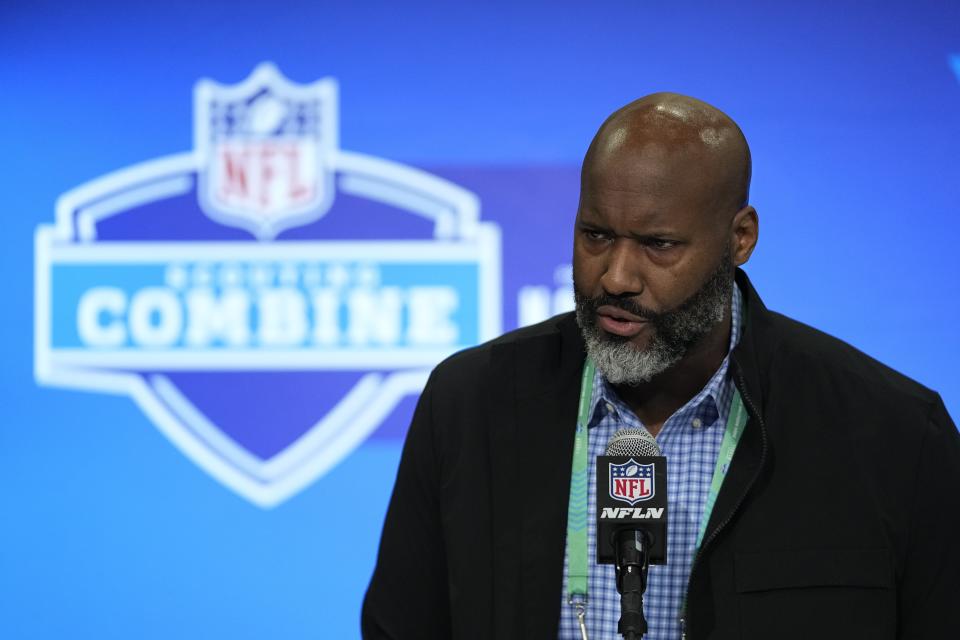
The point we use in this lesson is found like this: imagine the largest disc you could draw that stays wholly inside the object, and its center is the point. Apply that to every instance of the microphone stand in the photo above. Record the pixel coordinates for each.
(631, 547)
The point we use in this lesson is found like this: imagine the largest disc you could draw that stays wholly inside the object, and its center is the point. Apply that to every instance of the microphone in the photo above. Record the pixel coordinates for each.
(632, 519)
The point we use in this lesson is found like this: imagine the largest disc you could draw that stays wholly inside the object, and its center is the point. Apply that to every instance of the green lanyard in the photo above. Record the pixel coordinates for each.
(577, 565)
(577, 510)
(735, 424)
(736, 421)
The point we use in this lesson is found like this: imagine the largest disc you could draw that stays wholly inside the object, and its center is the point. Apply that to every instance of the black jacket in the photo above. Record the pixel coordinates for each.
(837, 519)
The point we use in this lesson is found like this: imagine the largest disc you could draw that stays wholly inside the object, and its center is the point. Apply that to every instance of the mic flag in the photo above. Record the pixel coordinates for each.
(632, 494)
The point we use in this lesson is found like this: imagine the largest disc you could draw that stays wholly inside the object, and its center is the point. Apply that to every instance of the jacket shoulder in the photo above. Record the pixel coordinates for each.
(809, 351)
(470, 364)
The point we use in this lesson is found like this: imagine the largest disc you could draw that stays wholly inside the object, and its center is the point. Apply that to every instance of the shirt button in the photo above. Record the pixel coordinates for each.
(697, 423)
(609, 408)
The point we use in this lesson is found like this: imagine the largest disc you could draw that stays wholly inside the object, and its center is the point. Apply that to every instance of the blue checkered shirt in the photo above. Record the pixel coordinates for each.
(690, 439)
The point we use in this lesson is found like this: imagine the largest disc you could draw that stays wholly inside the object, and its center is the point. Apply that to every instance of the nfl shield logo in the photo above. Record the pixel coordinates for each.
(265, 359)
(631, 482)
(266, 151)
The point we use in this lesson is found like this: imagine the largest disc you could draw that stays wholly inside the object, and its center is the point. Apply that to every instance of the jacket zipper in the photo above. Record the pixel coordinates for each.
(713, 534)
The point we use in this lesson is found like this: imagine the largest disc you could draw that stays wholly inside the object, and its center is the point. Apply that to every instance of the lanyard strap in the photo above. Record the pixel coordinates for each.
(736, 421)
(577, 565)
(577, 561)
(731, 436)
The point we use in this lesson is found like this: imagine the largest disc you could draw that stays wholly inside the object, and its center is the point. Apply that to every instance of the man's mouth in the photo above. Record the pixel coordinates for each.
(619, 322)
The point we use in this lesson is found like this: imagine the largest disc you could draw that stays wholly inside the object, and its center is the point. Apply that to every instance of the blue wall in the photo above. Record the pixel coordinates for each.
(110, 531)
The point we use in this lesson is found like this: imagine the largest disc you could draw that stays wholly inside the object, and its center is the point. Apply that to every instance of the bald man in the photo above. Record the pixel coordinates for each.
(836, 517)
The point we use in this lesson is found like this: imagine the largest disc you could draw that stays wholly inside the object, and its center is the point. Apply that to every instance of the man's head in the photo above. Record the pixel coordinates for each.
(662, 222)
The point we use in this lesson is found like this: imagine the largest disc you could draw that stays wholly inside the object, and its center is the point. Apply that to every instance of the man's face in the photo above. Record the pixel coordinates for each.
(652, 264)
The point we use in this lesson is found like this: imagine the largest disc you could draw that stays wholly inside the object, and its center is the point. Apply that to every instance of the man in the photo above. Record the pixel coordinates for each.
(836, 517)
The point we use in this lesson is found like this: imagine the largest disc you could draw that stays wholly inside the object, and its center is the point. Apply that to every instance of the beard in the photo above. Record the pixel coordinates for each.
(674, 331)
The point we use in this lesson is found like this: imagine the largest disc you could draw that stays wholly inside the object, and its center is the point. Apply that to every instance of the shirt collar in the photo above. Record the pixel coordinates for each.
(605, 399)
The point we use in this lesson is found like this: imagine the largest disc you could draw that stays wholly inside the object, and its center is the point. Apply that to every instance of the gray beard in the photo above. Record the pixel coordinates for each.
(675, 331)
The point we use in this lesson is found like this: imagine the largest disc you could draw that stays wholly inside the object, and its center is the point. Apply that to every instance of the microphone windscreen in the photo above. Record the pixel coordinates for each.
(633, 442)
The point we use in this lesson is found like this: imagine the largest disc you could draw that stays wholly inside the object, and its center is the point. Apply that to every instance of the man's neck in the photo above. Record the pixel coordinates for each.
(658, 399)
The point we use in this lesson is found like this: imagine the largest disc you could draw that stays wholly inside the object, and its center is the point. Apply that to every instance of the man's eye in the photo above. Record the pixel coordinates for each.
(593, 234)
(660, 244)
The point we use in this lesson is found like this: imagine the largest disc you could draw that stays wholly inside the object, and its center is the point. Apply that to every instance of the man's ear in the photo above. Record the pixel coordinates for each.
(745, 229)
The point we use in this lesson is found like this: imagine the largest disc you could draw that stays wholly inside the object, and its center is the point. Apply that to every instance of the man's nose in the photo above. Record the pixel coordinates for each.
(622, 276)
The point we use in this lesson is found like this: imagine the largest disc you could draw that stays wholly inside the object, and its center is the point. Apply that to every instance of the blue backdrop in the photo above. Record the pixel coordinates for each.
(139, 498)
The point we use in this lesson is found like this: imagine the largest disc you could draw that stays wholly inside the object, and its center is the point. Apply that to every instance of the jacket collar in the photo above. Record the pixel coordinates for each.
(750, 367)
(751, 357)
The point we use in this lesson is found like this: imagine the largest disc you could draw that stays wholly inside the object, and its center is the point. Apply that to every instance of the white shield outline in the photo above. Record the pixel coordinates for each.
(455, 213)
(266, 75)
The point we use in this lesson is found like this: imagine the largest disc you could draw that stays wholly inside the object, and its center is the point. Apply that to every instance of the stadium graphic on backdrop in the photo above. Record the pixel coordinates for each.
(268, 298)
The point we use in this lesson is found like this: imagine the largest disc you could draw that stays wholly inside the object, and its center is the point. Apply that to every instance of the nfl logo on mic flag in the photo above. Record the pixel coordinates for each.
(631, 482)
(267, 298)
